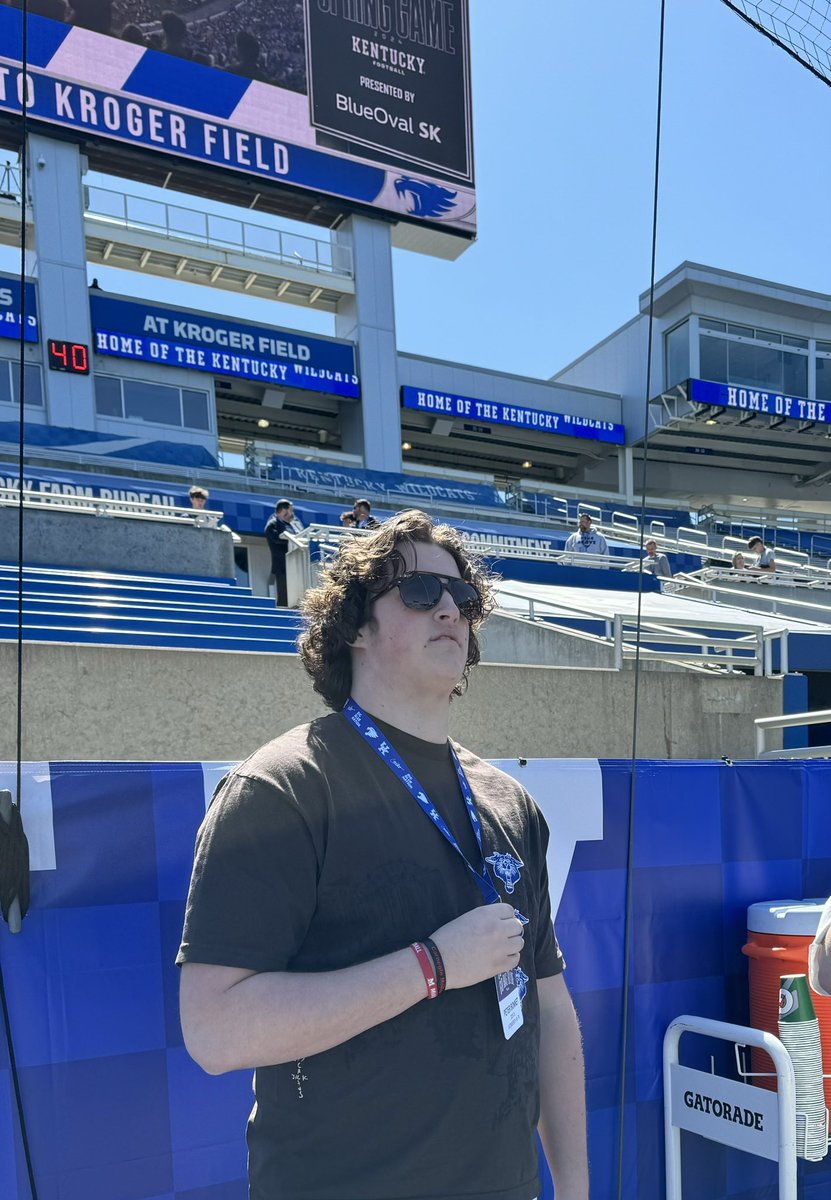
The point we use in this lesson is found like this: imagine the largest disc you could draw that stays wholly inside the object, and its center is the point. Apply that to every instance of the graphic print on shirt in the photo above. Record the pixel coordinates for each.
(506, 868)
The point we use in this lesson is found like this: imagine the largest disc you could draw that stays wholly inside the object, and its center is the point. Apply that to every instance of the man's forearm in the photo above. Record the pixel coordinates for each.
(232, 1018)
(277, 1017)
(562, 1125)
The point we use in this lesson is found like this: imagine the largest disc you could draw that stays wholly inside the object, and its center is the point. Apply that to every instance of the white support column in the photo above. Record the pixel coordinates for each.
(626, 474)
(63, 297)
(368, 319)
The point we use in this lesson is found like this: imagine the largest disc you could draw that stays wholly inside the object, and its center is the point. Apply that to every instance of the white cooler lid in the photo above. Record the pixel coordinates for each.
(793, 918)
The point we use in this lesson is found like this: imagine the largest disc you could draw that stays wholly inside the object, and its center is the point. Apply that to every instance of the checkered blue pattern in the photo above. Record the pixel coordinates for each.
(117, 1111)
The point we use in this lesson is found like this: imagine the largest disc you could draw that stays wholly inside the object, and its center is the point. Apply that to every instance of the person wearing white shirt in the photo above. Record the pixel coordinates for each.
(819, 954)
(766, 560)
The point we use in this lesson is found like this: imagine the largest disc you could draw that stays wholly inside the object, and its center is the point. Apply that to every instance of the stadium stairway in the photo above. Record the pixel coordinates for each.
(162, 612)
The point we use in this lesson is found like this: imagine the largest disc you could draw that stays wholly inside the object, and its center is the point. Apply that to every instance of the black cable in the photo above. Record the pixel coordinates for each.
(627, 935)
(21, 395)
(24, 132)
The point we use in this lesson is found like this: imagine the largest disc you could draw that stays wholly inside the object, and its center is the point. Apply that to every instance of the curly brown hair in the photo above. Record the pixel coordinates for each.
(342, 605)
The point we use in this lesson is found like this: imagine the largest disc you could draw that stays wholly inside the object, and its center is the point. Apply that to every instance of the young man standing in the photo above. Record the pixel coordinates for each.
(766, 560)
(369, 923)
(656, 563)
(276, 525)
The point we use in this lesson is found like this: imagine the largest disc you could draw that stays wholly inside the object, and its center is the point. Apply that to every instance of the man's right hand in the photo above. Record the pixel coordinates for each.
(480, 944)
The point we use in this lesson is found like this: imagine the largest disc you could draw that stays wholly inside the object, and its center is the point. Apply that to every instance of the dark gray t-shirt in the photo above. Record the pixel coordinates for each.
(314, 857)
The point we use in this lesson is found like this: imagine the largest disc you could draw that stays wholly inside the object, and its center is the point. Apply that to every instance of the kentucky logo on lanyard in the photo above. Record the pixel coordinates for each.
(506, 868)
(509, 985)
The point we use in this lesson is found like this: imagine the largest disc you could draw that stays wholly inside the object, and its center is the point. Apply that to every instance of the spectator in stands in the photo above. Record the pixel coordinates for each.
(765, 560)
(347, 519)
(130, 33)
(276, 526)
(248, 57)
(319, 874)
(198, 496)
(363, 515)
(655, 563)
(819, 954)
(56, 9)
(92, 14)
(738, 563)
(175, 35)
(587, 539)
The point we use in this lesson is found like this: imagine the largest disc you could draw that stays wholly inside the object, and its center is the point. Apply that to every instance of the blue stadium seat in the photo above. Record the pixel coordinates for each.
(101, 608)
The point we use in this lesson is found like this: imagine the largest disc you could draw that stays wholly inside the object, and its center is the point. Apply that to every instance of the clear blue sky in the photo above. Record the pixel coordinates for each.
(564, 112)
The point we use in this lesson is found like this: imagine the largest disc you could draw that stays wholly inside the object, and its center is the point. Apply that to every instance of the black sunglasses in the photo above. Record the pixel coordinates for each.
(422, 590)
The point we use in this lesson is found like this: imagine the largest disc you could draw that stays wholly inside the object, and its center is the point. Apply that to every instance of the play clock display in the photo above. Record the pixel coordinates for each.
(68, 356)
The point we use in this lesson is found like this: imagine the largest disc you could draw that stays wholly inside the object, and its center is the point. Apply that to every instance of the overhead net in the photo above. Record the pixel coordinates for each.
(802, 27)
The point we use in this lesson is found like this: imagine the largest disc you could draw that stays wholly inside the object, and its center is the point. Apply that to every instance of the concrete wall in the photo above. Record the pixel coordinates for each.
(91, 543)
(90, 702)
(515, 640)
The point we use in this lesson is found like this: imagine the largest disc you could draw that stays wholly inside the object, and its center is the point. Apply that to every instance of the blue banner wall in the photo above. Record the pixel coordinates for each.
(115, 1108)
(499, 412)
(747, 399)
(198, 342)
(10, 310)
(361, 481)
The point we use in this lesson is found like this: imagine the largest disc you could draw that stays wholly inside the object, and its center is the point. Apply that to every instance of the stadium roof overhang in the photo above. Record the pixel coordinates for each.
(684, 431)
(499, 450)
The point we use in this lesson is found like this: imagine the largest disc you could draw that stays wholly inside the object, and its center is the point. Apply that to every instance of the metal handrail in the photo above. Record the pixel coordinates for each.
(173, 221)
(701, 581)
(751, 637)
(94, 506)
(793, 558)
(810, 578)
(10, 182)
(750, 641)
(769, 518)
(481, 545)
(763, 724)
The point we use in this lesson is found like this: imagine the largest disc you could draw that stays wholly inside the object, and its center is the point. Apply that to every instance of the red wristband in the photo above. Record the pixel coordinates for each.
(427, 969)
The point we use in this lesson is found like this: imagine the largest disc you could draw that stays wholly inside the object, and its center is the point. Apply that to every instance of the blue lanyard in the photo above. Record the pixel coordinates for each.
(373, 736)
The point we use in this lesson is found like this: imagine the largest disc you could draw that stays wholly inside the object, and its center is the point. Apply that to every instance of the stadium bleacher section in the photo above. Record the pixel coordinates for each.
(102, 609)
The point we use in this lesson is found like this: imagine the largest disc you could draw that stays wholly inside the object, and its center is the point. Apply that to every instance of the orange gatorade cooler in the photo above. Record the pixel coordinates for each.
(779, 933)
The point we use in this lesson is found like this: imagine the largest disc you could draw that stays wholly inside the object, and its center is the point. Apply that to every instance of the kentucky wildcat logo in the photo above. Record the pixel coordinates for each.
(426, 199)
(506, 868)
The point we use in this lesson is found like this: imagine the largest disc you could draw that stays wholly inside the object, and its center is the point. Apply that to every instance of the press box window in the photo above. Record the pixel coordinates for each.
(151, 402)
(10, 383)
(159, 404)
(823, 370)
(195, 410)
(757, 358)
(108, 397)
(677, 345)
